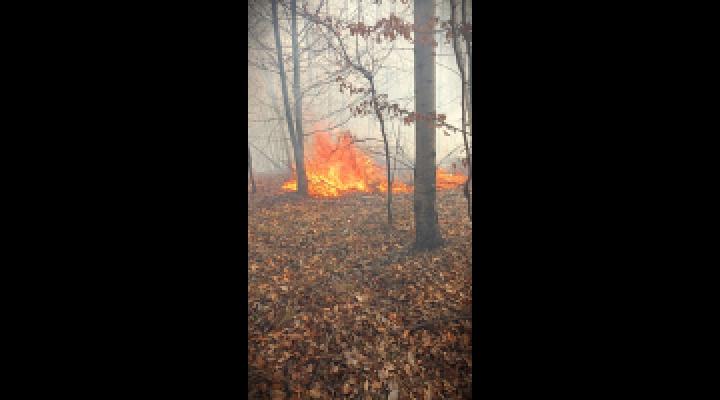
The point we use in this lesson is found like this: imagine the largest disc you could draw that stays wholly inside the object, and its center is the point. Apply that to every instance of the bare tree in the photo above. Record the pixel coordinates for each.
(299, 137)
(464, 102)
(295, 137)
(369, 75)
(468, 47)
(427, 232)
(307, 60)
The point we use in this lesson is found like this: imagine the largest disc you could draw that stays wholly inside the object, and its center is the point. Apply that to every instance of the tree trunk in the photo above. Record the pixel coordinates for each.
(297, 95)
(461, 68)
(468, 49)
(252, 179)
(387, 151)
(295, 139)
(359, 14)
(397, 148)
(427, 233)
(469, 104)
(288, 156)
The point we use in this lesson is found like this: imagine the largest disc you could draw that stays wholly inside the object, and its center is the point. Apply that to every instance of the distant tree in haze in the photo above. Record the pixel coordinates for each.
(252, 179)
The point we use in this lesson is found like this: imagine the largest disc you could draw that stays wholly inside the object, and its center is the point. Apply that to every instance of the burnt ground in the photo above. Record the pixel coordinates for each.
(339, 306)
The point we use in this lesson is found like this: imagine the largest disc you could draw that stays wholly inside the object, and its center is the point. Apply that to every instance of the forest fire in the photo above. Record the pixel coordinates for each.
(447, 180)
(335, 169)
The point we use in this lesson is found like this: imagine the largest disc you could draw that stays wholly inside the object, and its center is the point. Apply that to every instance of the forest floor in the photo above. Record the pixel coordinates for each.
(341, 307)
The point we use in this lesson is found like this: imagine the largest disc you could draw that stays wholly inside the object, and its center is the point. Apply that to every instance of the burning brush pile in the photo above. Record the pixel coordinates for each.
(338, 167)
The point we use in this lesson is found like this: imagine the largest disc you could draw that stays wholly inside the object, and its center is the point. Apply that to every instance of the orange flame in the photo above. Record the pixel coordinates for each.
(448, 181)
(335, 169)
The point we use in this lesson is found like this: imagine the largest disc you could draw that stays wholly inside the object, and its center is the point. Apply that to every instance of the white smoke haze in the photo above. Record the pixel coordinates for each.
(322, 100)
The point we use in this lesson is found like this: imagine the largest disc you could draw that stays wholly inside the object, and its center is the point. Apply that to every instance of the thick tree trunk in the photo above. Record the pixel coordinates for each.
(427, 232)
(252, 179)
(299, 160)
(300, 138)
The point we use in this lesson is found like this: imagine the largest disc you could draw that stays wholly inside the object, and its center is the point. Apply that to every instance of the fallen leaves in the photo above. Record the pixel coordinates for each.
(353, 314)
